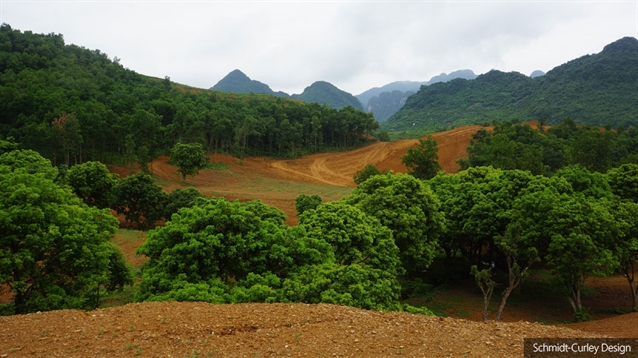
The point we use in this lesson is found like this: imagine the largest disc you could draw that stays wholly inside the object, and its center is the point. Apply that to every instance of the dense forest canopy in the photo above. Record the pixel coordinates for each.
(72, 104)
(512, 145)
(598, 90)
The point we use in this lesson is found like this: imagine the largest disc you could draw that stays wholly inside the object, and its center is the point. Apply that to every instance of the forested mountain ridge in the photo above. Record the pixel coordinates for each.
(387, 100)
(319, 92)
(72, 104)
(237, 81)
(597, 89)
(325, 93)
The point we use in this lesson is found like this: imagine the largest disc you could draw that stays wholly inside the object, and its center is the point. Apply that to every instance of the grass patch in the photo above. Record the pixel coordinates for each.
(217, 166)
(128, 241)
(120, 298)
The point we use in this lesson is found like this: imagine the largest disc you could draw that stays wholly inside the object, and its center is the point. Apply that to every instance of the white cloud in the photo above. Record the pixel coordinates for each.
(354, 45)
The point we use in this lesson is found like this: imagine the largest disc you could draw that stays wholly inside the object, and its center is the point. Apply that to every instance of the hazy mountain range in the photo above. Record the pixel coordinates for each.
(596, 89)
(382, 101)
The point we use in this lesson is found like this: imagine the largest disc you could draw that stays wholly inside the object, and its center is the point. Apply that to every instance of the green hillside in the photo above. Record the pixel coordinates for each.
(595, 89)
(236, 81)
(72, 104)
(325, 93)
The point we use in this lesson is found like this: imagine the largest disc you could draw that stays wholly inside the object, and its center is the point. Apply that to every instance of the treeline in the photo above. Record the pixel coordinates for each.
(543, 151)
(72, 105)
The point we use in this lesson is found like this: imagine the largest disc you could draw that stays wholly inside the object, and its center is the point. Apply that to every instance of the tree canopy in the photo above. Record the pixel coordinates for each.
(409, 209)
(54, 250)
(422, 160)
(188, 158)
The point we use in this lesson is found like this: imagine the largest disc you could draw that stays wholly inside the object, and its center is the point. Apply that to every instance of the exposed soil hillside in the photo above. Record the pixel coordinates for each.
(279, 182)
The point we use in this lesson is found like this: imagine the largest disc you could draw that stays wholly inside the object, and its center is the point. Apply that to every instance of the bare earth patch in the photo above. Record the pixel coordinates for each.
(180, 329)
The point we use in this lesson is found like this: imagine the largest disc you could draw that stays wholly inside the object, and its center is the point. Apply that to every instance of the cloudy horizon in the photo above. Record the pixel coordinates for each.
(355, 45)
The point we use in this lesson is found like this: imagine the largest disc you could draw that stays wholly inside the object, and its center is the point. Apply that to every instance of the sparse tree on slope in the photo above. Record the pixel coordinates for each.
(188, 158)
(422, 160)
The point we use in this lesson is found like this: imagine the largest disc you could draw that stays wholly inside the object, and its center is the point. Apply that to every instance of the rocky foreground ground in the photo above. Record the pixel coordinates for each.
(181, 329)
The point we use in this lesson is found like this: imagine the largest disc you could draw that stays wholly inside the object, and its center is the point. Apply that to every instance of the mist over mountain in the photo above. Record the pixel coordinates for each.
(595, 89)
(537, 73)
(386, 100)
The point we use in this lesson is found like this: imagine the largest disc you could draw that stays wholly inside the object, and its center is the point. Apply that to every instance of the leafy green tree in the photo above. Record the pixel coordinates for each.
(139, 199)
(305, 202)
(589, 183)
(29, 160)
(92, 182)
(486, 284)
(519, 259)
(363, 174)
(466, 197)
(351, 285)
(582, 229)
(7, 145)
(356, 238)
(593, 150)
(188, 158)
(624, 181)
(180, 198)
(224, 241)
(422, 160)
(625, 245)
(54, 250)
(408, 208)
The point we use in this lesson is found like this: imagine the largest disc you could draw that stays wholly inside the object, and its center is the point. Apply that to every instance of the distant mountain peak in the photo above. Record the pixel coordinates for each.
(239, 82)
(624, 44)
(325, 92)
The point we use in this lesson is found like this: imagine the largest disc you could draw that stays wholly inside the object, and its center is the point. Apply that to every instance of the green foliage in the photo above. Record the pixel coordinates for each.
(180, 198)
(7, 145)
(350, 285)
(593, 149)
(588, 183)
(624, 181)
(411, 210)
(29, 160)
(226, 240)
(476, 204)
(485, 282)
(92, 182)
(365, 173)
(356, 238)
(188, 158)
(305, 202)
(594, 89)
(515, 146)
(422, 160)
(139, 199)
(54, 250)
(222, 252)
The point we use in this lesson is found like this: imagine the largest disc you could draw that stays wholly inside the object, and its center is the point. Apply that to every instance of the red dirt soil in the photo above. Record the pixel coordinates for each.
(174, 329)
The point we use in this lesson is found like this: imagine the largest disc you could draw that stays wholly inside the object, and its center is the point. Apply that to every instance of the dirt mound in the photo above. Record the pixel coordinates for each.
(178, 329)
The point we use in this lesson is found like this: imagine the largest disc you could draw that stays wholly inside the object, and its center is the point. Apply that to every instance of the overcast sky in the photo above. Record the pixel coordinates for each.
(355, 45)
